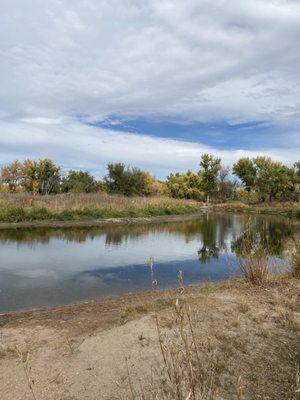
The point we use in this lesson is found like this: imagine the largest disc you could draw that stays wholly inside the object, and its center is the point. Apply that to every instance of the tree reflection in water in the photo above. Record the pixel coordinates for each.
(262, 236)
(216, 232)
(258, 234)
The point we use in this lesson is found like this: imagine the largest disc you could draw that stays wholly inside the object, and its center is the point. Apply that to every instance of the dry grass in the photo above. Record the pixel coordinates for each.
(223, 341)
(255, 269)
(242, 354)
(25, 362)
(180, 373)
(25, 207)
(291, 209)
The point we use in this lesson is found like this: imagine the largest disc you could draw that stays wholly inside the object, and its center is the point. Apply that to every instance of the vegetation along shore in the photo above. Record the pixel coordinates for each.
(41, 191)
(237, 339)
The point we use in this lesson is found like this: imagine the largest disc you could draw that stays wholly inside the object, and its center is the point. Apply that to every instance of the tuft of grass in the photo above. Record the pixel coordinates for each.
(131, 313)
(255, 269)
(244, 307)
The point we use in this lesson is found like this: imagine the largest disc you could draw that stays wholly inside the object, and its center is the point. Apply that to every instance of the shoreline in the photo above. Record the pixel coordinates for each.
(87, 346)
(104, 313)
(113, 303)
(101, 222)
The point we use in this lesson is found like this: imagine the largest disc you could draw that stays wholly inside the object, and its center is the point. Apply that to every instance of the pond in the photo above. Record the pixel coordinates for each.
(48, 267)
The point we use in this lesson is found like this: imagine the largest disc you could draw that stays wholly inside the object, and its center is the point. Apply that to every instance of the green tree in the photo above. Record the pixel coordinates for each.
(127, 181)
(274, 180)
(78, 181)
(116, 178)
(210, 167)
(245, 170)
(48, 176)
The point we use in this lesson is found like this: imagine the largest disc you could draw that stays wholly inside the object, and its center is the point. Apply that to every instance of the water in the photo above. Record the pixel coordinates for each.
(49, 267)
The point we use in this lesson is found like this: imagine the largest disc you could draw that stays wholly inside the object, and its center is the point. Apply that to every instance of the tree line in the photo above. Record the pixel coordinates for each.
(257, 179)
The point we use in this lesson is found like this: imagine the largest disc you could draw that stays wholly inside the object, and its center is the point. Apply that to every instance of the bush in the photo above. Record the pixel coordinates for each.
(14, 214)
(185, 186)
(38, 214)
(249, 197)
(78, 181)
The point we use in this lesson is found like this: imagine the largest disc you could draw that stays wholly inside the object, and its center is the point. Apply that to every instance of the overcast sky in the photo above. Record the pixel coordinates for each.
(151, 83)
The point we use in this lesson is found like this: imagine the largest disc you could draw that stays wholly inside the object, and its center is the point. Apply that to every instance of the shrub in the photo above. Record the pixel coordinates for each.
(249, 197)
(255, 269)
(14, 214)
(185, 186)
(78, 181)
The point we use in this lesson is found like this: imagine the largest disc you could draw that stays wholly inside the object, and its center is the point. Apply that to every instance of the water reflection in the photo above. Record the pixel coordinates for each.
(262, 235)
(41, 267)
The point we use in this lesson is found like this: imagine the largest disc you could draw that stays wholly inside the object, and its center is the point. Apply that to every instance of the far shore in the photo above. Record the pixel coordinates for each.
(101, 222)
(284, 210)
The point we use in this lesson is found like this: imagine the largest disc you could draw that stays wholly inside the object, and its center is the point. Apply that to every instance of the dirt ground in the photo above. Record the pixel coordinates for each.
(110, 349)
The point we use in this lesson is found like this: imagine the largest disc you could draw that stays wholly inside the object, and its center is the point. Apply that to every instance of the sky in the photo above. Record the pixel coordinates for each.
(152, 83)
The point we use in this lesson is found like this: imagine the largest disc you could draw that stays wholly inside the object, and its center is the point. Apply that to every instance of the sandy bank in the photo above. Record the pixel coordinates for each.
(83, 351)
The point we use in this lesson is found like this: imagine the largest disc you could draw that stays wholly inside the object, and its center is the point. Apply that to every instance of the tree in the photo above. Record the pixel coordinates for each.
(210, 167)
(127, 181)
(48, 176)
(116, 180)
(296, 180)
(30, 181)
(11, 175)
(274, 180)
(41, 177)
(78, 181)
(246, 171)
(226, 187)
(185, 186)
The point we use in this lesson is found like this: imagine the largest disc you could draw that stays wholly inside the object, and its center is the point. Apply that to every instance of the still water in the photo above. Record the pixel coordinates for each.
(50, 267)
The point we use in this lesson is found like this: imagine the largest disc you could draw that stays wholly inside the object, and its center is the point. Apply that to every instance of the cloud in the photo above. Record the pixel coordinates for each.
(63, 62)
(74, 145)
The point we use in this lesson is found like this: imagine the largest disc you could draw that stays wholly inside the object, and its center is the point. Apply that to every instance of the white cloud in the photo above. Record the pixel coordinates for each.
(74, 145)
(201, 60)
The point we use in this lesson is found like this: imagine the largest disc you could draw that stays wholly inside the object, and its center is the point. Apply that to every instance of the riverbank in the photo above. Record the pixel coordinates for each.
(102, 222)
(287, 209)
(23, 208)
(94, 210)
(244, 338)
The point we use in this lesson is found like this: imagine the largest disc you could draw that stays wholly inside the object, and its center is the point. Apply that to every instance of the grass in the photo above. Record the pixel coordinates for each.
(130, 313)
(195, 366)
(24, 207)
(255, 269)
(218, 341)
(224, 347)
(288, 209)
(76, 207)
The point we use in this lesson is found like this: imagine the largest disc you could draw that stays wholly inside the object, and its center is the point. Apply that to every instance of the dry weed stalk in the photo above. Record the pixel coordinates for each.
(181, 374)
(24, 359)
(255, 269)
